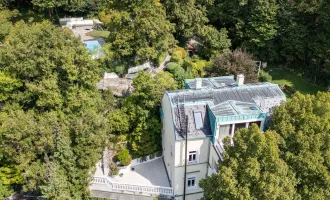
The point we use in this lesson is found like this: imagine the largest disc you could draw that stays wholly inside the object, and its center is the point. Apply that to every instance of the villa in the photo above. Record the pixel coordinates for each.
(196, 119)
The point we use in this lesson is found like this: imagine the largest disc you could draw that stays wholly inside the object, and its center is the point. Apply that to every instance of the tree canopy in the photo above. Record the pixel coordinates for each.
(304, 125)
(290, 161)
(251, 169)
(234, 62)
(53, 123)
(139, 31)
(142, 108)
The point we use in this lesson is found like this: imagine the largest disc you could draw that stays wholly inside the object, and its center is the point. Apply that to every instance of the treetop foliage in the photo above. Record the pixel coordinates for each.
(53, 122)
(251, 169)
(290, 161)
(234, 62)
(304, 125)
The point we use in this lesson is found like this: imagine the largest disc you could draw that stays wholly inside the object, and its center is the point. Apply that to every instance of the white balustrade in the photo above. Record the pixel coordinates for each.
(219, 148)
(133, 187)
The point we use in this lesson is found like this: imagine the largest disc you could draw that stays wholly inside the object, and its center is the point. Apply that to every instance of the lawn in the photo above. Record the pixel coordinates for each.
(103, 34)
(283, 76)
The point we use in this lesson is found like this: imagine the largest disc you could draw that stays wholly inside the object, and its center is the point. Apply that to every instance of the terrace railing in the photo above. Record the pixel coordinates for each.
(219, 148)
(155, 190)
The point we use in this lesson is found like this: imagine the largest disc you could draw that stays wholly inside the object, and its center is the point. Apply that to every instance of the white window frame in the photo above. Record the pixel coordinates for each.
(191, 177)
(197, 157)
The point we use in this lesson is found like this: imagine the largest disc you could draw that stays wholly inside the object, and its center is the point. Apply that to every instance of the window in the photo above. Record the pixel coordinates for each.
(224, 131)
(239, 126)
(198, 120)
(191, 182)
(192, 156)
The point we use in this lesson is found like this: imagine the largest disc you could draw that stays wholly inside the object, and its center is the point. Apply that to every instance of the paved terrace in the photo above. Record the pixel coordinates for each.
(149, 178)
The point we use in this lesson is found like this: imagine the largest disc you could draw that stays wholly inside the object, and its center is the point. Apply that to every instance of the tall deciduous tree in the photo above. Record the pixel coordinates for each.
(48, 5)
(139, 31)
(234, 62)
(252, 24)
(143, 110)
(303, 40)
(188, 16)
(304, 124)
(251, 169)
(212, 41)
(5, 21)
(54, 123)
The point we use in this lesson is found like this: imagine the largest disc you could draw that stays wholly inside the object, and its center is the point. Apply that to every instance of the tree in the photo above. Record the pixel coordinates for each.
(304, 125)
(48, 4)
(251, 169)
(7, 85)
(304, 43)
(212, 41)
(142, 107)
(5, 21)
(118, 122)
(252, 24)
(234, 62)
(188, 16)
(139, 31)
(54, 124)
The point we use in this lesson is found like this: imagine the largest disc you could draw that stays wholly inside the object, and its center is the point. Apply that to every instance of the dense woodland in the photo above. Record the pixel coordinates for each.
(54, 124)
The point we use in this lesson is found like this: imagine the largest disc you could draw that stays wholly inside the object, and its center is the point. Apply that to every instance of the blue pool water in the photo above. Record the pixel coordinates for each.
(92, 45)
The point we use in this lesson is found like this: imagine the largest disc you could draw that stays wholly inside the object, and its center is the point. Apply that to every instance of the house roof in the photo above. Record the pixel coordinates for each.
(228, 100)
(216, 82)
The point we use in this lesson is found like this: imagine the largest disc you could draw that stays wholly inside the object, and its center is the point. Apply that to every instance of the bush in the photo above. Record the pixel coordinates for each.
(177, 71)
(113, 170)
(265, 76)
(124, 157)
(178, 54)
(171, 66)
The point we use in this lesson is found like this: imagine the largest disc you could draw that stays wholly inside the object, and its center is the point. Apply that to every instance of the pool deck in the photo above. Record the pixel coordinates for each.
(82, 33)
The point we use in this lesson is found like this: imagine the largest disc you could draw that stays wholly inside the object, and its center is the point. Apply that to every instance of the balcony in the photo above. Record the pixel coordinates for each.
(133, 188)
(219, 149)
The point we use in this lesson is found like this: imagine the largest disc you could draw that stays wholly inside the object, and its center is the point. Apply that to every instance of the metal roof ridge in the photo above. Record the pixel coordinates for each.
(230, 102)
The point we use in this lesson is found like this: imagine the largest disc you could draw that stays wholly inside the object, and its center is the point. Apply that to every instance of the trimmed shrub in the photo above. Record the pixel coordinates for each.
(171, 66)
(124, 157)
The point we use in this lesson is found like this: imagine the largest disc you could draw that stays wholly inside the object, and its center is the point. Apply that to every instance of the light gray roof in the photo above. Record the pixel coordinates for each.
(185, 121)
(226, 101)
(215, 82)
(243, 93)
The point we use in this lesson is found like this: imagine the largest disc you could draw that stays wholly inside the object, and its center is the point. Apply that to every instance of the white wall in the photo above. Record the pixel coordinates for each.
(168, 137)
(198, 170)
(212, 158)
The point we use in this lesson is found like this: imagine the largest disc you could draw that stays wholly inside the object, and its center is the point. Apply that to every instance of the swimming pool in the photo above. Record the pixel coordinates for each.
(92, 45)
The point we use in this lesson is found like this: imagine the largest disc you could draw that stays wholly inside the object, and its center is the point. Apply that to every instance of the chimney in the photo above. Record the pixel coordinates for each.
(198, 83)
(240, 79)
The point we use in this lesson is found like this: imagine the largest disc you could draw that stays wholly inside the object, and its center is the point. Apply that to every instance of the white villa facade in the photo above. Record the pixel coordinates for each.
(202, 114)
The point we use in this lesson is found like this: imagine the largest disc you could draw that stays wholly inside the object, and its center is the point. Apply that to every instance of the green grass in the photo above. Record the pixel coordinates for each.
(283, 76)
(103, 34)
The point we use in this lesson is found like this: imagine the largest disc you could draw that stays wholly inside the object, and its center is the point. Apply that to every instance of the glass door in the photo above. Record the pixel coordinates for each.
(224, 131)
